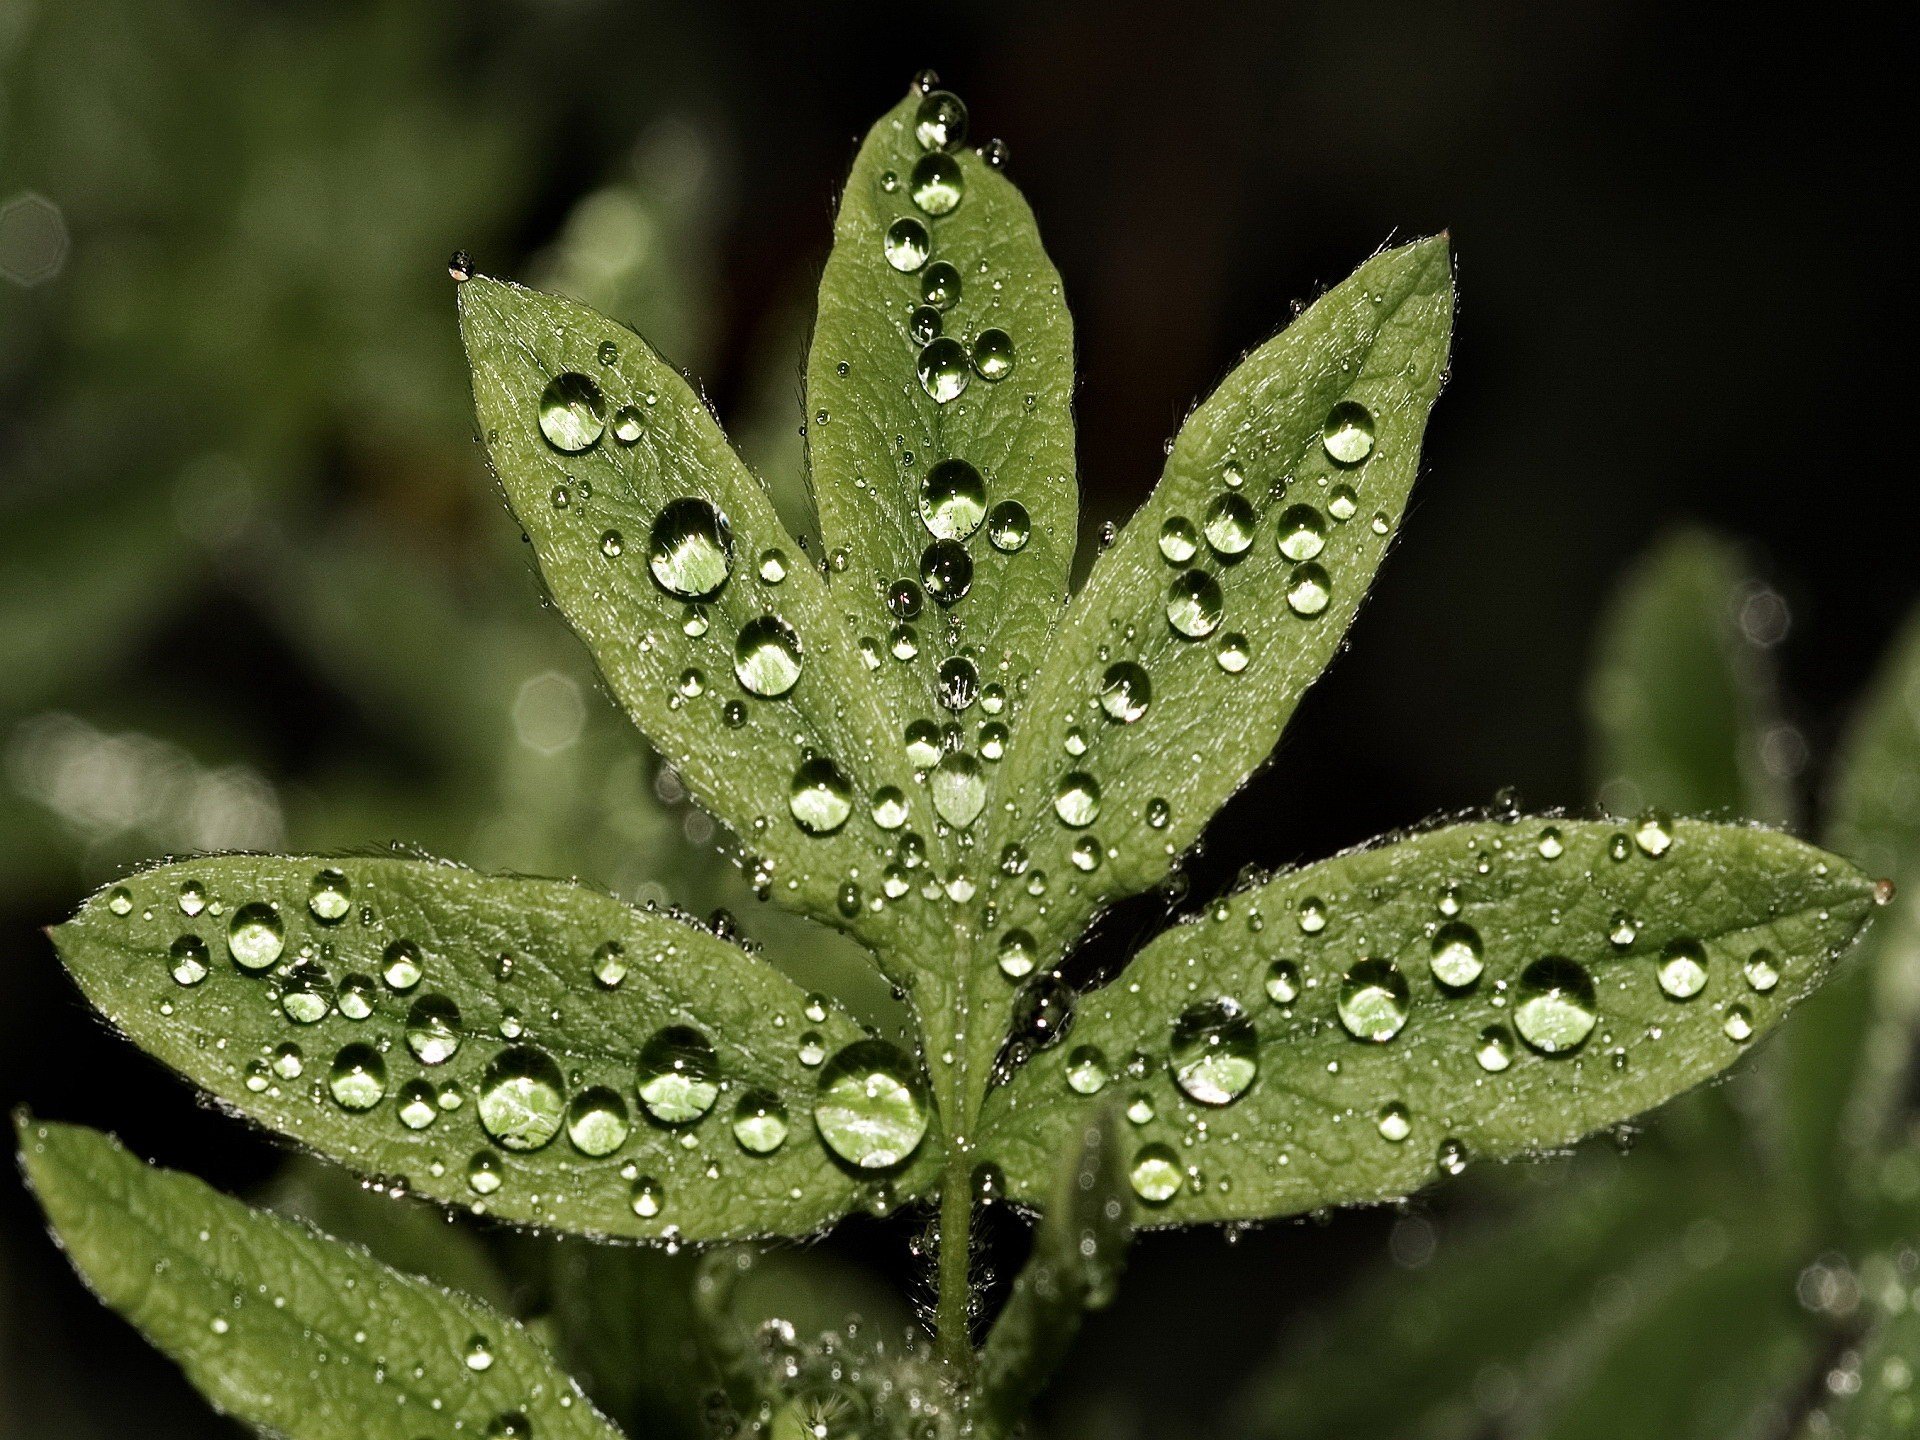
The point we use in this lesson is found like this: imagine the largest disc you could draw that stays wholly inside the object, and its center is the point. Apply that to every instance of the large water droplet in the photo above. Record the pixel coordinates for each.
(1683, 969)
(1373, 1000)
(1303, 534)
(1215, 1052)
(1309, 589)
(940, 285)
(941, 121)
(1125, 692)
(1087, 1072)
(255, 937)
(522, 1099)
(1347, 434)
(1228, 525)
(357, 1079)
(936, 184)
(433, 1029)
(1455, 955)
(1283, 982)
(573, 413)
(401, 966)
(190, 960)
(953, 500)
(766, 656)
(943, 369)
(306, 996)
(1556, 1010)
(1179, 541)
(760, 1122)
(907, 244)
(870, 1110)
(1194, 604)
(679, 1075)
(690, 550)
(597, 1121)
(959, 789)
(993, 355)
(1077, 799)
(947, 571)
(1008, 527)
(820, 797)
(329, 897)
(1155, 1173)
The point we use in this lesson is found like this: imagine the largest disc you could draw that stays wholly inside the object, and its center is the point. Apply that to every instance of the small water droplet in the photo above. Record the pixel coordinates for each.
(953, 500)
(766, 657)
(1455, 955)
(1653, 835)
(330, 896)
(401, 966)
(936, 184)
(573, 413)
(1125, 692)
(820, 798)
(1283, 982)
(1394, 1123)
(1494, 1050)
(255, 937)
(907, 244)
(1155, 1174)
(1194, 604)
(679, 1075)
(1008, 526)
(190, 960)
(433, 1029)
(1739, 1024)
(1232, 652)
(120, 900)
(646, 1197)
(940, 285)
(1761, 971)
(1215, 1052)
(1683, 969)
(1087, 1072)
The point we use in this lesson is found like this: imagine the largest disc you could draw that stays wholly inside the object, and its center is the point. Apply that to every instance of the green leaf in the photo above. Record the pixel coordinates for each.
(1841, 1072)
(1883, 1400)
(668, 560)
(282, 1327)
(492, 1042)
(1236, 1038)
(1681, 698)
(1079, 1249)
(1099, 804)
(621, 1318)
(916, 488)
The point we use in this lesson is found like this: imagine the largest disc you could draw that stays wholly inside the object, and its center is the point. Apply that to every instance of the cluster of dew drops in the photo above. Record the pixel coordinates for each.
(868, 1108)
(1213, 1051)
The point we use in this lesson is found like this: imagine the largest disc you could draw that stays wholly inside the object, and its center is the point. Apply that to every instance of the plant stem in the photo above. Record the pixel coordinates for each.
(953, 1310)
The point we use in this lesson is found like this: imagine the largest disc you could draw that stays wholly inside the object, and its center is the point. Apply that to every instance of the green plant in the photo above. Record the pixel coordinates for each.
(918, 741)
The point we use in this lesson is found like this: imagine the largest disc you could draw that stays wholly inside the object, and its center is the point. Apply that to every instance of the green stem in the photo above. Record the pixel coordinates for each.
(953, 1310)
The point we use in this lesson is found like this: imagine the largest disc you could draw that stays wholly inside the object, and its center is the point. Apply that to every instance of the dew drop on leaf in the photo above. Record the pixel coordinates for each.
(1494, 1050)
(819, 797)
(907, 244)
(679, 1076)
(690, 550)
(400, 965)
(1228, 525)
(953, 500)
(1155, 1174)
(357, 1079)
(1761, 971)
(1017, 951)
(941, 121)
(1215, 1052)
(1347, 434)
(1683, 969)
(190, 960)
(573, 413)
(940, 285)
(1076, 800)
(1394, 1123)
(993, 355)
(766, 656)
(1125, 692)
(1194, 605)
(1373, 1000)
(1455, 955)
(936, 184)
(1179, 541)
(646, 1197)
(947, 571)
(760, 1122)
(1008, 527)
(1087, 1072)
(943, 369)
(417, 1109)
(959, 789)
(329, 897)
(255, 937)
(522, 1099)
(870, 1110)
(1556, 1010)
(1303, 534)
(1283, 982)
(306, 996)
(1309, 589)
(433, 1029)
(597, 1121)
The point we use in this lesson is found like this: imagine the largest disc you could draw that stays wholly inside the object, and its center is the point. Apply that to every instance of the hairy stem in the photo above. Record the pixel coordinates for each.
(953, 1313)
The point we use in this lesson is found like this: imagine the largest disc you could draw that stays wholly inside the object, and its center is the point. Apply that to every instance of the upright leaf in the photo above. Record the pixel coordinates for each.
(1223, 599)
(1347, 1031)
(1841, 1071)
(1079, 1248)
(939, 434)
(282, 1327)
(710, 625)
(527, 1048)
(1682, 696)
(1881, 1400)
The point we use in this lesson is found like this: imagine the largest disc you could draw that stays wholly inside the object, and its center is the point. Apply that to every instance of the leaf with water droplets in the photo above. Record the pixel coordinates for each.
(1229, 591)
(1681, 703)
(709, 624)
(282, 1327)
(1843, 1067)
(1079, 1248)
(939, 435)
(1321, 1038)
(528, 1048)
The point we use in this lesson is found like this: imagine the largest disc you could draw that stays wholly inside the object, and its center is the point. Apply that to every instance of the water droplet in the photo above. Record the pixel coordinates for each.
(1394, 1122)
(766, 656)
(959, 789)
(1683, 969)
(627, 424)
(1179, 541)
(1077, 799)
(417, 1109)
(460, 267)
(255, 937)
(1309, 589)
(1373, 1001)
(1194, 604)
(190, 960)
(1017, 951)
(433, 1029)
(1494, 1051)
(1125, 692)
(612, 544)
(522, 1099)
(993, 355)
(1215, 1052)
(690, 550)
(401, 966)
(1155, 1174)
(943, 369)
(940, 285)
(1087, 1072)
(358, 1078)
(907, 244)
(478, 1356)
(1451, 1157)
(1303, 534)
(924, 324)
(1739, 1024)
(1653, 835)
(1556, 1011)
(120, 900)
(610, 964)
(1283, 982)
(1761, 971)
(1347, 434)
(597, 1121)
(306, 996)
(760, 1122)
(1551, 846)
(1229, 525)
(1232, 652)
(870, 1110)
(573, 413)
(959, 683)
(193, 898)
(646, 1197)
(820, 797)
(1455, 955)
(356, 997)
(329, 897)
(941, 121)
(953, 500)
(1008, 526)
(483, 1173)
(679, 1075)
(947, 571)
(936, 184)
(773, 566)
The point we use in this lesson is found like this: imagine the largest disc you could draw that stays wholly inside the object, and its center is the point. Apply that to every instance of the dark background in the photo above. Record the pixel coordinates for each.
(1685, 296)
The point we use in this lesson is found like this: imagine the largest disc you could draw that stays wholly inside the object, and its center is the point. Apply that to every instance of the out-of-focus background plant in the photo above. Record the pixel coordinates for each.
(247, 577)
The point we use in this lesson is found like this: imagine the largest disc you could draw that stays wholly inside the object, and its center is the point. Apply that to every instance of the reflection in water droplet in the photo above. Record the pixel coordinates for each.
(401, 966)
(1232, 652)
(941, 121)
(943, 369)
(1373, 1000)
(1394, 1122)
(329, 897)
(190, 960)
(597, 1121)
(1347, 434)
(306, 995)
(357, 1079)
(953, 500)
(1077, 799)
(1556, 1011)
(1155, 1174)
(1017, 950)
(946, 570)
(646, 1197)
(1283, 982)
(1125, 692)
(1179, 541)
(1683, 969)
(760, 1122)
(416, 1109)
(959, 789)
(573, 413)
(1654, 835)
(433, 1029)
(1215, 1052)
(679, 1075)
(1761, 971)
(1008, 526)
(522, 1100)
(1194, 605)
(936, 184)
(820, 798)
(870, 1110)
(1309, 589)
(1303, 534)
(1739, 1024)
(1087, 1072)
(1494, 1051)
(690, 549)
(1228, 525)
(889, 808)
(1455, 955)
(120, 900)
(940, 285)
(255, 937)
(993, 355)
(907, 244)
(766, 656)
